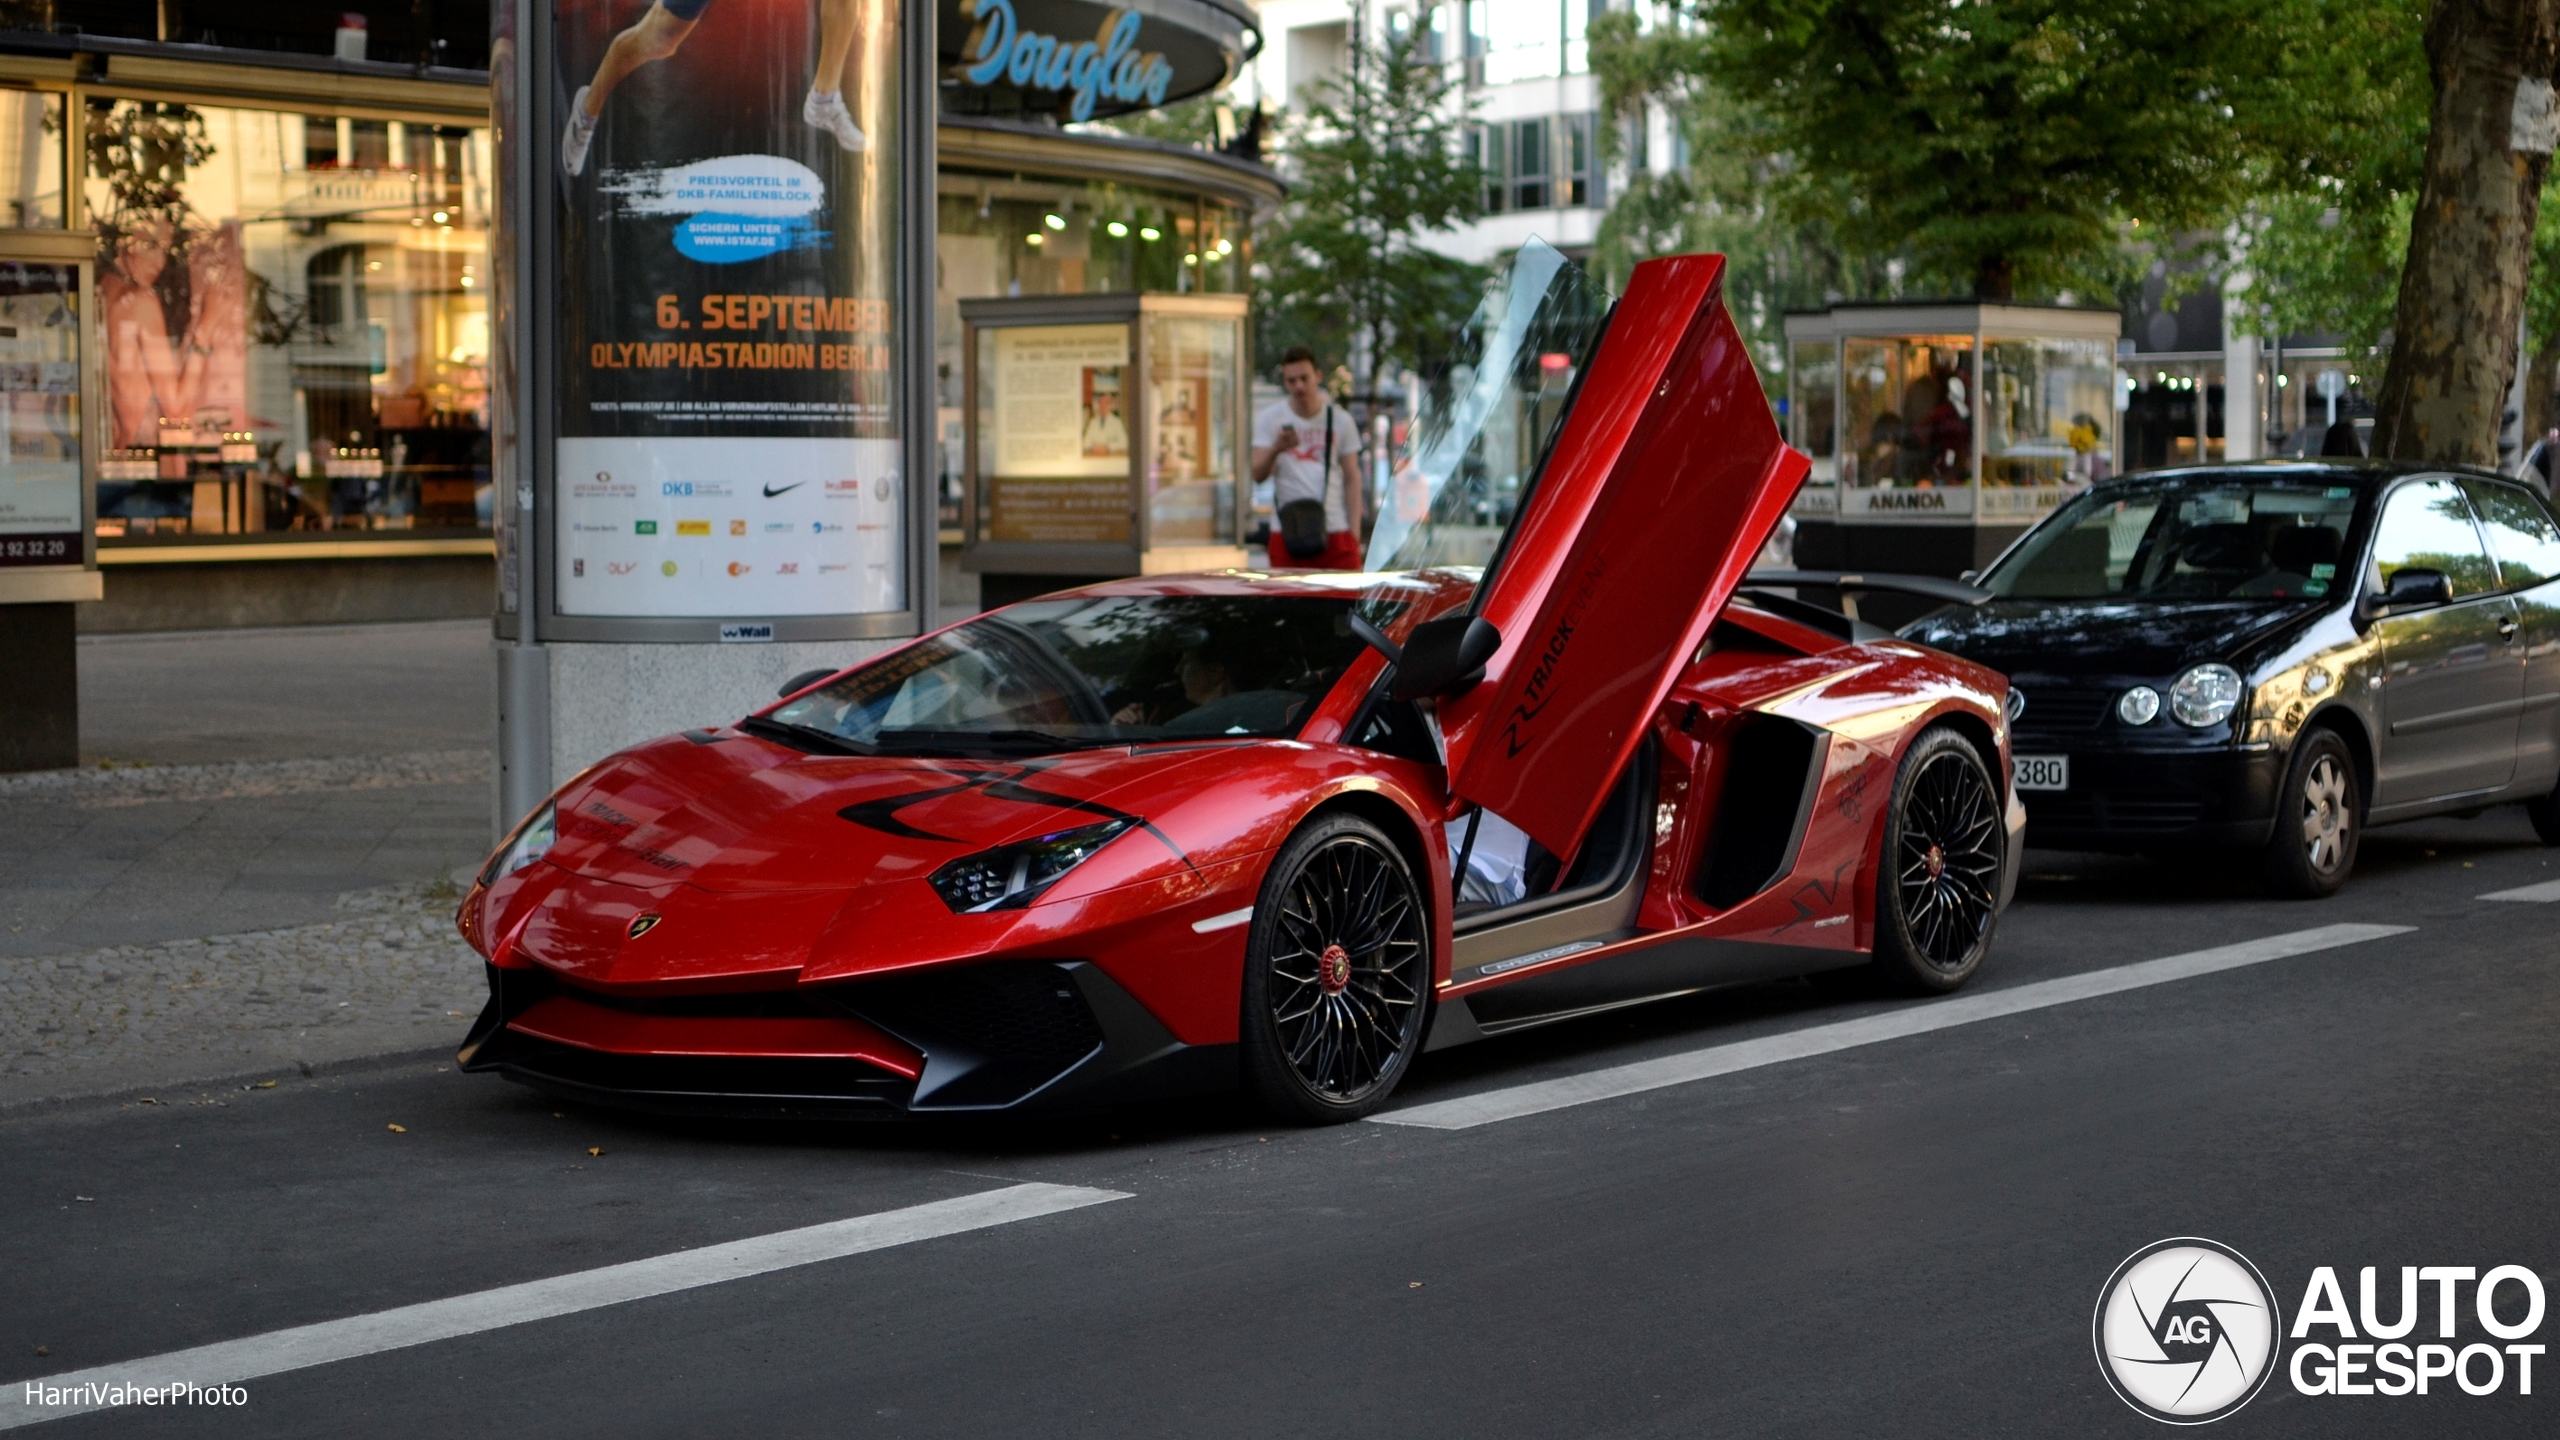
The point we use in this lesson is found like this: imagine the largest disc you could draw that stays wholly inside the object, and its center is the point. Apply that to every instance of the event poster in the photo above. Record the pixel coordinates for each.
(728, 433)
(39, 415)
(1060, 431)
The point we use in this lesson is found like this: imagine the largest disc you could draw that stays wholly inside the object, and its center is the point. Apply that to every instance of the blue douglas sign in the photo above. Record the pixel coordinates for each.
(1107, 68)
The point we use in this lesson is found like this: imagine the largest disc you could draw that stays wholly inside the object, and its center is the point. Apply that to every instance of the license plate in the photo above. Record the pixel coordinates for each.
(2040, 772)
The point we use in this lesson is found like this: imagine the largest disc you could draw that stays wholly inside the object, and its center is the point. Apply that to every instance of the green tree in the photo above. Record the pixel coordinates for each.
(1374, 166)
(1733, 196)
(2491, 128)
(2003, 148)
(2325, 234)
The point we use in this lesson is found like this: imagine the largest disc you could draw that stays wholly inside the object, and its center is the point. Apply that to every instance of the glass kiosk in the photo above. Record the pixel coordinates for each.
(1105, 437)
(1939, 431)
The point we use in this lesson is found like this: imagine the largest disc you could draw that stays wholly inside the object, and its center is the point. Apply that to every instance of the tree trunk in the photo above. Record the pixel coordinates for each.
(2542, 371)
(2489, 140)
(1995, 278)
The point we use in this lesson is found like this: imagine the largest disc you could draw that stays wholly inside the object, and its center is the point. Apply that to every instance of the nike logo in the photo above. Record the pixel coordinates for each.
(770, 492)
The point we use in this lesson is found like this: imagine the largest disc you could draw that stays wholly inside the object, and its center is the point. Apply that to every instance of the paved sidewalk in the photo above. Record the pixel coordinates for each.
(255, 864)
(388, 975)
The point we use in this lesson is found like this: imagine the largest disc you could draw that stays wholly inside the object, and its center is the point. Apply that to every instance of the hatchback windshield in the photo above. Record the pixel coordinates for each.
(2192, 537)
(1104, 670)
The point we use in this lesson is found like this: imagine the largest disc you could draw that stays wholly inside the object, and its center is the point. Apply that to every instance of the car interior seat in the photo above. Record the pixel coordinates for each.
(2296, 548)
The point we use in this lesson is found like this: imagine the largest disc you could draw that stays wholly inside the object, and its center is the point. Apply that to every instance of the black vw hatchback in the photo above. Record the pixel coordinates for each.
(2270, 657)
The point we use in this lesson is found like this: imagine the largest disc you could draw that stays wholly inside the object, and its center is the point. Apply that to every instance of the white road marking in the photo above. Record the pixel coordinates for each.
(1469, 1111)
(233, 1361)
(2548, 890)
(1228, 921)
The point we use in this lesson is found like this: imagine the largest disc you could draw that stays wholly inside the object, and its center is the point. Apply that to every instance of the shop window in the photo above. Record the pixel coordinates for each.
(1813, 382)
(31, 159)
(1910, 413)
(289, 346)
(2046, 417)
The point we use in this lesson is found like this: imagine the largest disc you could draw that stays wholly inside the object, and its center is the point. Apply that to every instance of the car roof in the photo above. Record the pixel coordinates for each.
(2364, 474)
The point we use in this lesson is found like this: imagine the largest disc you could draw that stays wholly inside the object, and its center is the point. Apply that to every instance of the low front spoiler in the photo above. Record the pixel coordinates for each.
(1090, 1046)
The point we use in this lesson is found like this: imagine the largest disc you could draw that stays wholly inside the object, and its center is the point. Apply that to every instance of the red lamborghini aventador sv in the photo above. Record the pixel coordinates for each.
(1551, 754)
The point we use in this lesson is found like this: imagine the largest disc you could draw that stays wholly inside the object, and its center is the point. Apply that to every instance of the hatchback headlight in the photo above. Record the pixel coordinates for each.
(1012, 876)
(2138, 706)
(2205, 695)
(531, 842)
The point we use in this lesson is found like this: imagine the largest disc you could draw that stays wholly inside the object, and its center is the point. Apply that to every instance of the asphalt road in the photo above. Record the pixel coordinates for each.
(1905, 1238)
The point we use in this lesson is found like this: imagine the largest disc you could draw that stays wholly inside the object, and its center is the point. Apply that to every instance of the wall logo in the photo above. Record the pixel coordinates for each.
(739, 567)
(644, 527)
(737, 527)
(667, 568)
(2186, 1330)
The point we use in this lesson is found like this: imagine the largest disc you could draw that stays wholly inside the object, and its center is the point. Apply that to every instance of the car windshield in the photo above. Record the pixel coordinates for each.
(2192, 537)
(1102, 670)
(1488, 410)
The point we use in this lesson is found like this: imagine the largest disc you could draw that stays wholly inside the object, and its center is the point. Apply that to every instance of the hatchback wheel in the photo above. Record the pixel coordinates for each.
(1939, 894)
(1337, 979)
(2319, 817)
(2545, 814)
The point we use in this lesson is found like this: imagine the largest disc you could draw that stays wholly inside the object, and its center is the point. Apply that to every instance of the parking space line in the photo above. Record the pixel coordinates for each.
(232, 1361)
(1468, 1111)
(2547, 891)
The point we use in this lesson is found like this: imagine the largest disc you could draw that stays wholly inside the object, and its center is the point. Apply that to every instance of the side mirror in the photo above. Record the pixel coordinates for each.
(1444, 655)
(2412, 588)
(803, 681)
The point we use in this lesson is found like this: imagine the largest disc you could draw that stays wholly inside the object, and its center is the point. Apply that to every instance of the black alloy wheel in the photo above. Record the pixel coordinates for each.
(2319, 818)
(1938, 896)
(1337, 981)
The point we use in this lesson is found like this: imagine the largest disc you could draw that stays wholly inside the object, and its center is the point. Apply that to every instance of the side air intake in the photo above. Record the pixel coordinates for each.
(1772, 771)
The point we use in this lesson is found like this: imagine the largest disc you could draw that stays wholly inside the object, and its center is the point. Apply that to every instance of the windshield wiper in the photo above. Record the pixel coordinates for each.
(805, 737)
(1034, 741)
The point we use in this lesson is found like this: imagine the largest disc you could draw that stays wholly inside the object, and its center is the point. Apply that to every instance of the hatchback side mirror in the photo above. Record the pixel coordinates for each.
(1444, 655)
(2413, 587)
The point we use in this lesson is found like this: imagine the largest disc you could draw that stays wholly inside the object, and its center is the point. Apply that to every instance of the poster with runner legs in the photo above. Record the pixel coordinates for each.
(729, 440)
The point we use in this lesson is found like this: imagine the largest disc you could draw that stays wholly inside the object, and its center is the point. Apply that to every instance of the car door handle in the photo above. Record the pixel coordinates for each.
(2506, 627)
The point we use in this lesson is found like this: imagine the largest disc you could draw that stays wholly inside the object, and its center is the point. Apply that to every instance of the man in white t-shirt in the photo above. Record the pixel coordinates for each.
(1290, 446)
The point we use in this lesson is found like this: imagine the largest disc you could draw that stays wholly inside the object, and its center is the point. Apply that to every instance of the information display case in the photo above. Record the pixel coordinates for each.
(1940, 431)
(1105, 437)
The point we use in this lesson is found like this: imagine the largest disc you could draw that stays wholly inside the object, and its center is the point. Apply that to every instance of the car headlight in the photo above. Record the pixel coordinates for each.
(2205, 695)
(1012, 876)
(531, 842)
(2138, 706)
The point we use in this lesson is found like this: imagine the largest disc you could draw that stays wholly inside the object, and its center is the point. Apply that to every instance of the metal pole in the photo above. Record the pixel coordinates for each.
(525, 145)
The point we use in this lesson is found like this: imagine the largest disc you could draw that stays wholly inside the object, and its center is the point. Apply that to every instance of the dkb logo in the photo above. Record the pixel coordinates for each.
(2186, 1331)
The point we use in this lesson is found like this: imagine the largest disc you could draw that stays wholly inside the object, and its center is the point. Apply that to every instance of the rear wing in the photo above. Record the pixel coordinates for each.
(1773, 590)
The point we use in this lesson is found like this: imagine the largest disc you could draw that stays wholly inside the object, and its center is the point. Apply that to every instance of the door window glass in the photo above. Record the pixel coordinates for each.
(2520, 530)
(2428, 525)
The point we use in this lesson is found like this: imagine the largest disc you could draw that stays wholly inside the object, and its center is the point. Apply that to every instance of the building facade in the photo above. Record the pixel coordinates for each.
(246, 260)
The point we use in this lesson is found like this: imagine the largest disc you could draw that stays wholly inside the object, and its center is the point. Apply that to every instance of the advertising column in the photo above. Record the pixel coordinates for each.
(729, 442)
(728, 203)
